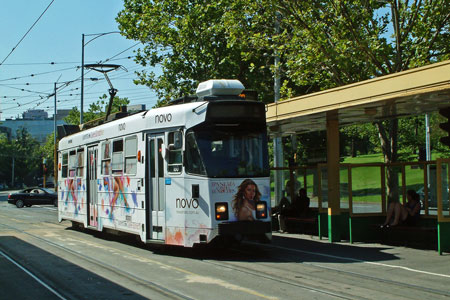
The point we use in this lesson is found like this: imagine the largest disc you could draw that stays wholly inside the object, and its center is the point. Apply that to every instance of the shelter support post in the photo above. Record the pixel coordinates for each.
(443, 231)
(443, 225)
(334, 212)
(278, 163)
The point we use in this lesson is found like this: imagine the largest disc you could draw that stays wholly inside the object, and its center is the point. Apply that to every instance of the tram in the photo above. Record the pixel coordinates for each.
(187, 173)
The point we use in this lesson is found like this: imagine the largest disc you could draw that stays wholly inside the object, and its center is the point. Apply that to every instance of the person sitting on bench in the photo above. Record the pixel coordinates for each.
(303, 202)
(407, 213)
(298, 208)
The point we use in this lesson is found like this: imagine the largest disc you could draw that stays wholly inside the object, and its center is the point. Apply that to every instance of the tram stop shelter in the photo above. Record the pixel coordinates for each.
(345, 212)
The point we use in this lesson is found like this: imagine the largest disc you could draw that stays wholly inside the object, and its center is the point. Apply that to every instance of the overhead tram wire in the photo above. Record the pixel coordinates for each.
(60, 62)
(42, 63)
(65, 69)
(38, 74)
(76, 67)
(131, 47)
(41, 100)
(111, 58)
(15, 47)
(26, 90)
(65, 86)
(45, 93)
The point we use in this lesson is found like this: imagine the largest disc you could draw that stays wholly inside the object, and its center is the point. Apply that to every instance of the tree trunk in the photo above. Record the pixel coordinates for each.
(353, 147)
(387, 132)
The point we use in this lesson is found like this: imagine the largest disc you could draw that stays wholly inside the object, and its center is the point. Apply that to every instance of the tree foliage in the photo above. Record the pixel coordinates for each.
(96, 110)
(189, 40)
(22, 155)
(320, 44)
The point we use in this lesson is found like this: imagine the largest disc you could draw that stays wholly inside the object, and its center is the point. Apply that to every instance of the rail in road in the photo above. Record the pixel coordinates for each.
(79, 264)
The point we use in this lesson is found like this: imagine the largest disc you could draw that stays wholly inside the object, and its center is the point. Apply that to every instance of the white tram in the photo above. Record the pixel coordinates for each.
(183, 174)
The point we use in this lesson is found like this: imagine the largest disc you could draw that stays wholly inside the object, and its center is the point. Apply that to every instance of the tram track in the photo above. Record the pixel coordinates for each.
(32, 275)
(168, 292)
(338, 271)
(155, 287)
(261, 274)
(369, 277)
(262, 270)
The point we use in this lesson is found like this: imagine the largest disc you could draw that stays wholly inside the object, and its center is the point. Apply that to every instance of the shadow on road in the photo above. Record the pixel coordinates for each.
(282, 249)
(70, 280)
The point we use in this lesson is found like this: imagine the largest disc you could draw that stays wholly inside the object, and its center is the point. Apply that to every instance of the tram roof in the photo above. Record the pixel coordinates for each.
(156, 119)
(413, 92)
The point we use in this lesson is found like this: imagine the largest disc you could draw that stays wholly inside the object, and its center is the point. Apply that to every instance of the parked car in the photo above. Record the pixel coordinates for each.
(432, 198)
(33, 196)
(47, 185)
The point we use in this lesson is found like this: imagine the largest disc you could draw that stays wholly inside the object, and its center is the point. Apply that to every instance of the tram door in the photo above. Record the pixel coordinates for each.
(156, 220)
(92, 186)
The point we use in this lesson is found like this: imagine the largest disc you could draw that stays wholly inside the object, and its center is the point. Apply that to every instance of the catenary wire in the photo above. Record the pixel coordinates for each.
(15, 47)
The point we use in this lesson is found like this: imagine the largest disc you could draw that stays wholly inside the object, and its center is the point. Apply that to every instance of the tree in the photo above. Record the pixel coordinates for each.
(189, 40)
(359, 138)
(5, 159)
(332, 43)
(321, 44)
(47, 152)
(24, 152)
(96, 110)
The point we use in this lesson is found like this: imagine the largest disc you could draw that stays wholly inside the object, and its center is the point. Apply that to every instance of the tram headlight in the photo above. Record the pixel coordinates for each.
(221, 211)
(261, 210)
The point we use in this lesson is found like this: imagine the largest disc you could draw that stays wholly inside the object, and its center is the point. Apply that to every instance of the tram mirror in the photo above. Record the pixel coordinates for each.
(176, 140)
(163, 151)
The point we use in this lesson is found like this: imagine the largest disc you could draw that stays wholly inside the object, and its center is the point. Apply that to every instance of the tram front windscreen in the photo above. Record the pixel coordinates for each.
(227, 151)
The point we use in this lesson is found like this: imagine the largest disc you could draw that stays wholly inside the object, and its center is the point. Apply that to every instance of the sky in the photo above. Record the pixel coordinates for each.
(51, 52)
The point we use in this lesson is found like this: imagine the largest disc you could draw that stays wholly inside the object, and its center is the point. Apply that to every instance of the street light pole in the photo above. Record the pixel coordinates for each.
(55, 160)
(97, 35)
(82, 78)
(12, 172)
(277, 142)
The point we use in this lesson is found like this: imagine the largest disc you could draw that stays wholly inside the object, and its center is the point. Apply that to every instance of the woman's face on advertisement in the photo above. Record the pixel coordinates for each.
(249, 192)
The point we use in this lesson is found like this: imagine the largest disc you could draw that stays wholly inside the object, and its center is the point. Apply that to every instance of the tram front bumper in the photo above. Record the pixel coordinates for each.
(252, 230)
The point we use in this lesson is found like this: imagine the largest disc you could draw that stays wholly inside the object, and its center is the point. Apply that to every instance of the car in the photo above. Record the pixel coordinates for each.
(432, 198)
(47, 185)
(33, 196)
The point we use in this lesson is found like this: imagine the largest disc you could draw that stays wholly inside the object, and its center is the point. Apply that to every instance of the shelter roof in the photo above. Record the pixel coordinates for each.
(413, 92)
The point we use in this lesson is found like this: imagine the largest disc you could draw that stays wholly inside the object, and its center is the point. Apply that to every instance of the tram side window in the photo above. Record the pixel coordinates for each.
(175, 156)
(72, 163)
(106, 158)
(194, 163)
(117, 157)
(131, 155)
(80, 162)
(65, 164)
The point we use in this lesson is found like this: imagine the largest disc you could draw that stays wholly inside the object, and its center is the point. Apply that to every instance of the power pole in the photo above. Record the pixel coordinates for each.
(12, 176)
(82, 78)
(277, 142)
(55, 157)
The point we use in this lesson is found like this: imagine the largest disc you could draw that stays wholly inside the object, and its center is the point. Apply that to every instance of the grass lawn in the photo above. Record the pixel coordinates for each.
(366, 180)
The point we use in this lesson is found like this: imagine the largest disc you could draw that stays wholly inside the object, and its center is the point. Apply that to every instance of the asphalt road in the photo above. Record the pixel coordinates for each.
(43, 259)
